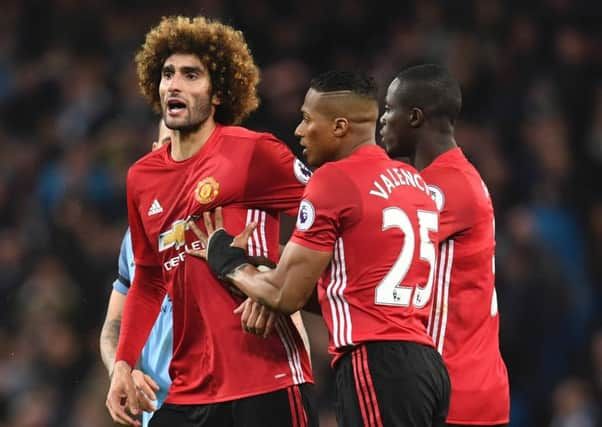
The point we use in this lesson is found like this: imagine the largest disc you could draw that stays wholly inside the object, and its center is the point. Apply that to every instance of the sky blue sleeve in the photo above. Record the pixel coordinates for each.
(126, 265)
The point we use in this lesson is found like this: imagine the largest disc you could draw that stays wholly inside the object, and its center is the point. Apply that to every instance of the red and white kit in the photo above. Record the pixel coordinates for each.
(254, 177)
(375, 289)
(464, 322)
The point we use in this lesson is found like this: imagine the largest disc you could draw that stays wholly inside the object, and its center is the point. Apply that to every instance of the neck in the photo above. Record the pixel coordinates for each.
(353, 145)
(187, 144)
(430, 146)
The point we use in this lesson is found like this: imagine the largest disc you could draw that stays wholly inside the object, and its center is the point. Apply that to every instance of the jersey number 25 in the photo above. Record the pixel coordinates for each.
(390, 291)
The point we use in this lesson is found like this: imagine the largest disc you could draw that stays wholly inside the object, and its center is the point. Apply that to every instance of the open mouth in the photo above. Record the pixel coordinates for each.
(175, 106)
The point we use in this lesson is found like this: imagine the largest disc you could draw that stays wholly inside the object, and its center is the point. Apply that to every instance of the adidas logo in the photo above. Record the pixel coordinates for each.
(155, 208)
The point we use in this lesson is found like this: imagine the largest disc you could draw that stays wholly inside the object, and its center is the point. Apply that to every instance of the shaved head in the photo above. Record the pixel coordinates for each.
(348, 94)
(353, 107)
(340, 111)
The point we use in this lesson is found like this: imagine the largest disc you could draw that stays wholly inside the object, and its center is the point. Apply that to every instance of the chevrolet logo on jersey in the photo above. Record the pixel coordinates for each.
(175, 236)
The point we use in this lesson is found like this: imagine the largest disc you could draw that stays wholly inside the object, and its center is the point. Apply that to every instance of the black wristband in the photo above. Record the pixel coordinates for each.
(223, 258)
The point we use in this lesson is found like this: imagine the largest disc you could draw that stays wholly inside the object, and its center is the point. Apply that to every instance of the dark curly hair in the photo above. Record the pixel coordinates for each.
(221, 48)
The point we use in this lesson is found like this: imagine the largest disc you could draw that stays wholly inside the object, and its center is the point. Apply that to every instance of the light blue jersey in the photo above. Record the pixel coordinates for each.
(157, 351)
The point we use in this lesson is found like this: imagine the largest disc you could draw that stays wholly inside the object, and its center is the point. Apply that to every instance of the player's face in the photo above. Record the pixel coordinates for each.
(315, 131)
(395, 128)
(185, 92)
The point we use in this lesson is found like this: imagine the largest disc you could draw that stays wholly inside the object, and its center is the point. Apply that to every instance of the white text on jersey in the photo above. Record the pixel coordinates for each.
(175, 261)
(392, 178)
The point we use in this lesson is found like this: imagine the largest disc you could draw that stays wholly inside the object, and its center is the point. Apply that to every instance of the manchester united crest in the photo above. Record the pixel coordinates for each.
(206, 190)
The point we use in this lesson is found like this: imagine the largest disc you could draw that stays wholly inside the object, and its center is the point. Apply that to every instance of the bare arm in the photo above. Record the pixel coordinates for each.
(109, 335)
(298, 322)
(109, 338)
(289, 286)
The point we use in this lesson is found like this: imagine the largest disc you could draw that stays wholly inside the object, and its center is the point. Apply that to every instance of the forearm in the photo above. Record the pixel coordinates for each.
(139, 314)
(109, 338)
(262, 287)
(285, 289)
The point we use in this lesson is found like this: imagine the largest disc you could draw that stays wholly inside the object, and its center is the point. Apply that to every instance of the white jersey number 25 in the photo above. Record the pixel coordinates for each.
(390, 290)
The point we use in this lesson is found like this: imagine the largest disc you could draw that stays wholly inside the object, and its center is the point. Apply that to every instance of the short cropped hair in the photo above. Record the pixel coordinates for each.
(431, 88)
(221, 48)
(356, 82)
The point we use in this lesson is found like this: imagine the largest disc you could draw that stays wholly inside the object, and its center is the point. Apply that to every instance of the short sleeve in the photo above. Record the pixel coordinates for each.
(126, 265)
(330, 204)
(276, 178)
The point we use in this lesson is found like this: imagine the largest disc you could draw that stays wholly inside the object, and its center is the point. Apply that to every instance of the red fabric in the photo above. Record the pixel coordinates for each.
(141, 309)
(348, 207)
(464, 324)
(212, 356)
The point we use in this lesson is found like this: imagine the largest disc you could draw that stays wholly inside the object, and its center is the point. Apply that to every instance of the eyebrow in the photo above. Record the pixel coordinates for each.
(184, 69)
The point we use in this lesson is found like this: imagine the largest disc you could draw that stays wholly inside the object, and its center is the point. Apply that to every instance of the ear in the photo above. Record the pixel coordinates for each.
(341, 126)
(215, 100)
(416, 117)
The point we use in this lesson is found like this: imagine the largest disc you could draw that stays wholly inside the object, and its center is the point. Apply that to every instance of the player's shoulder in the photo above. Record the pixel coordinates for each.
(404, 166)
(451, 167)
(149, 162)
(237, 139)
(453, 177)
(245, 134)
(333, 181)
(328, 171)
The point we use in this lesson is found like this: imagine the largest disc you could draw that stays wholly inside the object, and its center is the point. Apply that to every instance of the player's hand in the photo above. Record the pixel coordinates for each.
(256, 319)
(145, 390)
(241, 240)
(122, 402)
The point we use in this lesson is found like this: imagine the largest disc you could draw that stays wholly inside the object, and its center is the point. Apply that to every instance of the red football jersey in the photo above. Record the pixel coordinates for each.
(464, 321)
(254, 177)
(377, 218)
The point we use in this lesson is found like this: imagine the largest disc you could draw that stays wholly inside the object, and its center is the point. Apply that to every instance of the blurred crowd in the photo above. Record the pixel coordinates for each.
(72, 121)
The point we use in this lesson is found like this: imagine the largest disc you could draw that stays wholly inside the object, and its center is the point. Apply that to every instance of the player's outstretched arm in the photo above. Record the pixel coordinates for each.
(287, 288)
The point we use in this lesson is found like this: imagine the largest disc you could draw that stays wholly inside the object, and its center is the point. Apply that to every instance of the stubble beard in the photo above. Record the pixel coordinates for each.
(194, 122)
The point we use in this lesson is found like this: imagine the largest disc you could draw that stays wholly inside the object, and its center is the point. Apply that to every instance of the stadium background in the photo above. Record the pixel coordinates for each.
(71, 122)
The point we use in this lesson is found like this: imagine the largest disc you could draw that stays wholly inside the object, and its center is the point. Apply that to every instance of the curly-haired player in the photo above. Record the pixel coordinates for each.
(201, 76)
(221, 49)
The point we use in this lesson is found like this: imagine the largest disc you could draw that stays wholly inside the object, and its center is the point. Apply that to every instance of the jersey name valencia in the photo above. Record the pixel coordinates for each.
(391, 178)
